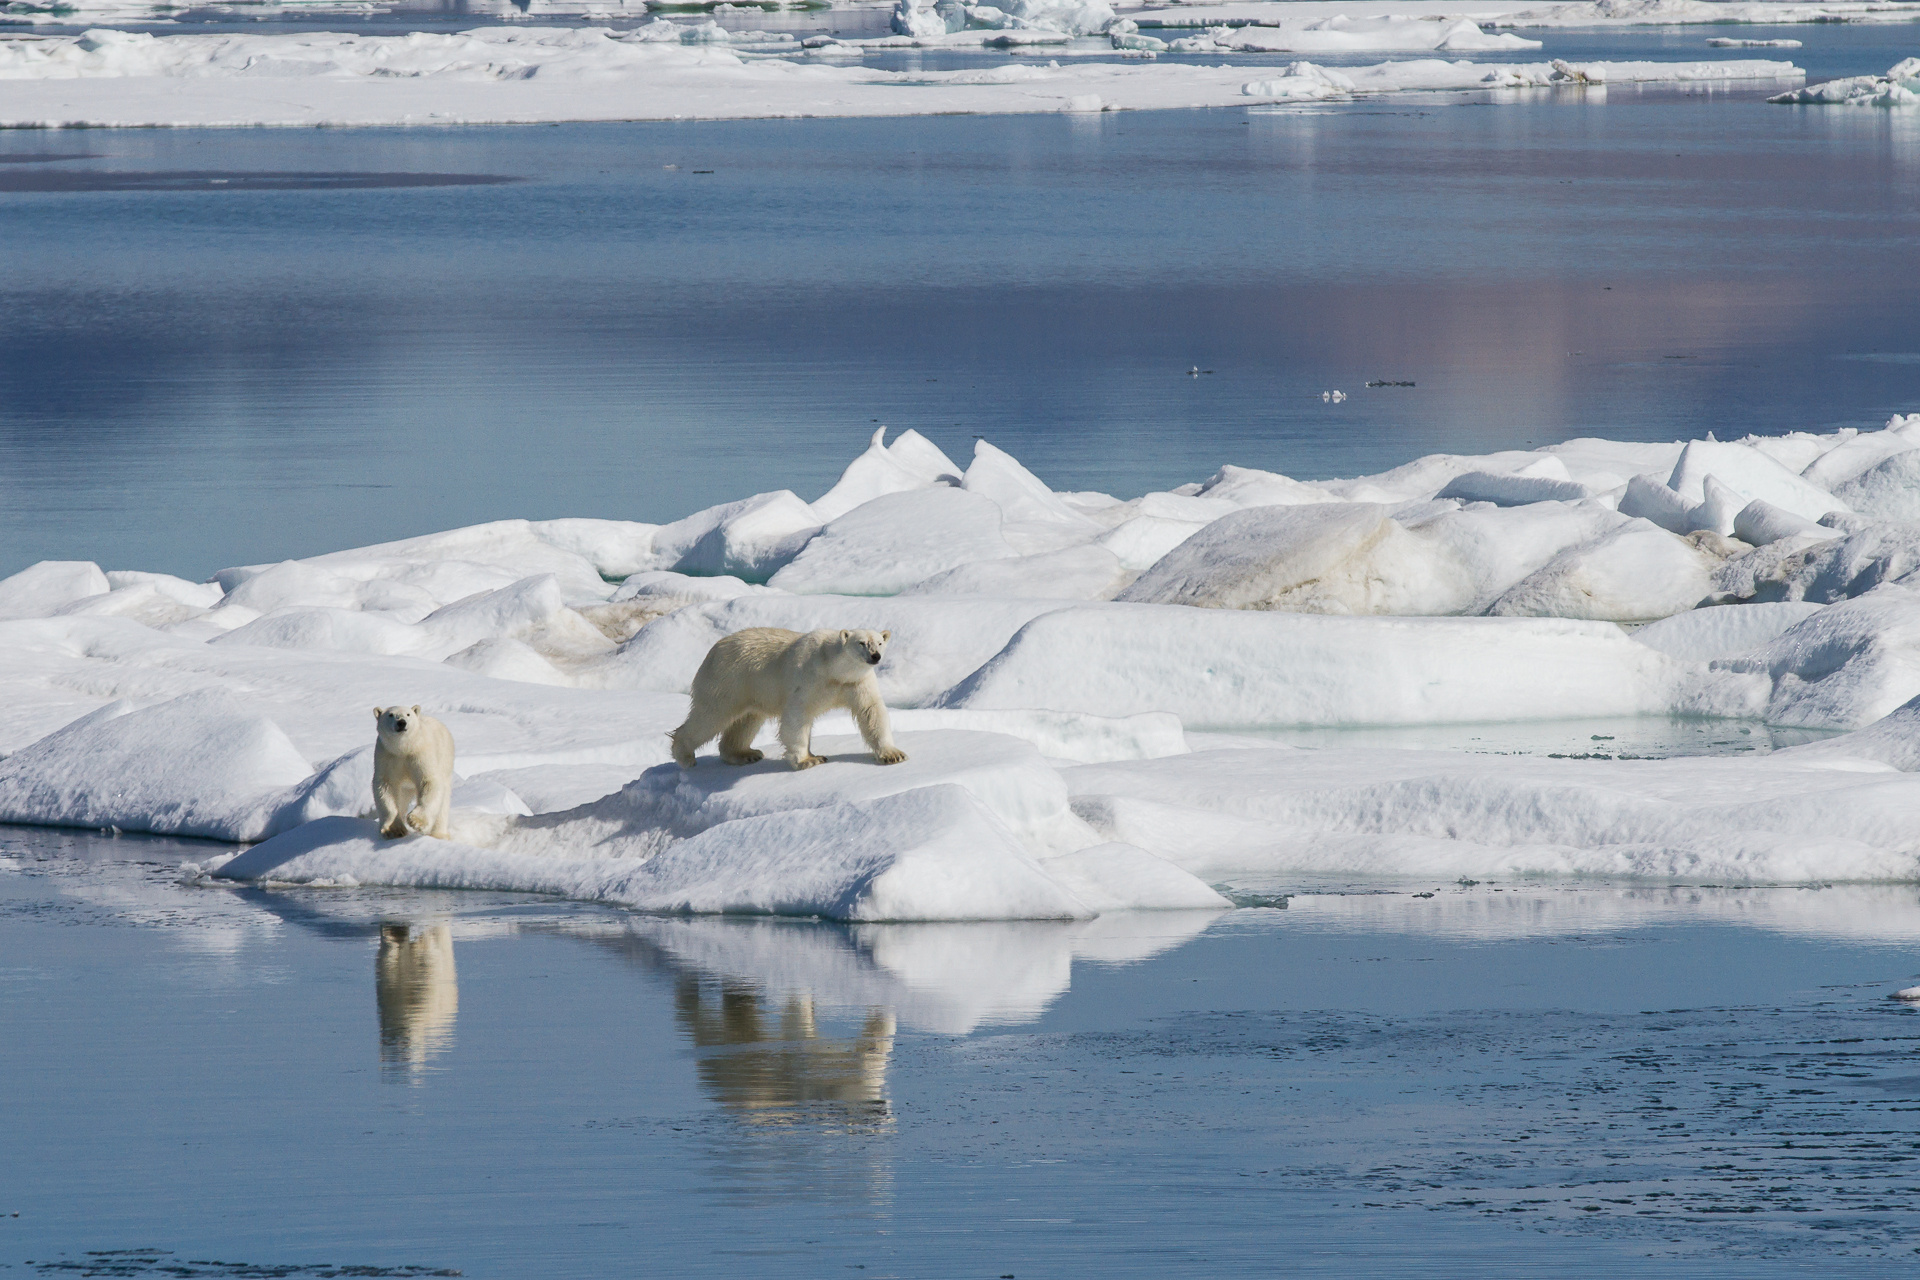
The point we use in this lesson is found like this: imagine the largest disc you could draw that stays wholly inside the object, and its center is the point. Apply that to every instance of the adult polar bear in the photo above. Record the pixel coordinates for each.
(412, 764)
(754, 675)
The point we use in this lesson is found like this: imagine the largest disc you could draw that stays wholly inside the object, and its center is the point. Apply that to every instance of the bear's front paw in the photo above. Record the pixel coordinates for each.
(393, 831)
(749, 756)
(806, 762)
(892, 755)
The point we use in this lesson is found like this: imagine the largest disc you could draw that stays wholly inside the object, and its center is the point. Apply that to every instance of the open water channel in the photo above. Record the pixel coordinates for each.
(233, 346)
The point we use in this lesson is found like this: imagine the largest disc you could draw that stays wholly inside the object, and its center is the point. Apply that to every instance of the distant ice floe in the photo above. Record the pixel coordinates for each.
(1526, 13)
(669, 71)
(1306, 80)
(1594, 13)
(1050, 653)
(1900, 87)
(1341, 34)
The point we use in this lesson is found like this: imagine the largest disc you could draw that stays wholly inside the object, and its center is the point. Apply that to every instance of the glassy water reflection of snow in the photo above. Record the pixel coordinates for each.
(1436, 1079)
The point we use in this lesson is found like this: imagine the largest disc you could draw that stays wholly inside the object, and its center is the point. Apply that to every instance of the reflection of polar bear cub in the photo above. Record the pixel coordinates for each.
(754, 675)
(412, 765)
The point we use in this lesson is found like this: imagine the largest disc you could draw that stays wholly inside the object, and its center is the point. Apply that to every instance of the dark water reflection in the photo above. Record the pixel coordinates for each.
(190, 380)
(1523, 1079)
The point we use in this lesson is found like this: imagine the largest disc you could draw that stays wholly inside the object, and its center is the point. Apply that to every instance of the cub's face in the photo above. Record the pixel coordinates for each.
(861, 651)
(396, 723)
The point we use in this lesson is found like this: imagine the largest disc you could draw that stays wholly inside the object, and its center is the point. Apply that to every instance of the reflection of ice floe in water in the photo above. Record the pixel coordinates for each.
(418, 993)
(947, 978)
(1862, 913)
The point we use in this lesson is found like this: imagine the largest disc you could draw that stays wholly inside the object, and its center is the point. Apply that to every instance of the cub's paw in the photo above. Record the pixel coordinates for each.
(892, 755)
(806, 762)
(749, 756)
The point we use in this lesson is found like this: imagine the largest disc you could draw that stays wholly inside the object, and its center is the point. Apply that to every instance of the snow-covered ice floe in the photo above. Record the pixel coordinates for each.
(1306, 80)
(1900, 87)
(527, 75)
(1525, 13)
(1050, 652)
(1342, 34)
(1665, 13)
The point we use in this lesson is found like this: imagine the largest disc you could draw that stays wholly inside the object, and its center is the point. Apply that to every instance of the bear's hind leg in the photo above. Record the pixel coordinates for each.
(703, 726)
(736, 744)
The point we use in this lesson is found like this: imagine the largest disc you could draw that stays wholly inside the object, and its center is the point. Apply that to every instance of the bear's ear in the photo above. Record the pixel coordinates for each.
(416, 708)
(845, 636)
(885, 636)
(377, 712)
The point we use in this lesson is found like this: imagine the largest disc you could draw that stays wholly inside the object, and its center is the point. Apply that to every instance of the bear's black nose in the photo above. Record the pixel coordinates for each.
(873, 659)
(399, 726)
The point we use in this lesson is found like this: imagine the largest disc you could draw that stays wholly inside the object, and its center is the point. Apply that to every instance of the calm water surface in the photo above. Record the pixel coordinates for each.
(1524, 1080)
(197, 373)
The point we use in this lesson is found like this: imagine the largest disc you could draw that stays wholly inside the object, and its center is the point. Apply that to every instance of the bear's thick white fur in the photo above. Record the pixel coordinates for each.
(412, 772)
(757, 674)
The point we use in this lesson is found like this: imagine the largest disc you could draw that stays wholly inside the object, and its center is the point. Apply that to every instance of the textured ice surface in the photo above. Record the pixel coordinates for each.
(1342, 34)
(1834, 810)
(560, 653)
(1226, 668)
(1900, 87)
(968, 828)
(1529, 13)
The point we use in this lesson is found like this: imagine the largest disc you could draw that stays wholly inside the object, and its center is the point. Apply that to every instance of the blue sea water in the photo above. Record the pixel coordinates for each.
(1423, 1080)
(195, 374)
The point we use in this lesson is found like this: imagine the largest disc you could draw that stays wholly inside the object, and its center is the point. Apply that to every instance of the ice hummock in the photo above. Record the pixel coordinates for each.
(1043, 684)
(1899, 87)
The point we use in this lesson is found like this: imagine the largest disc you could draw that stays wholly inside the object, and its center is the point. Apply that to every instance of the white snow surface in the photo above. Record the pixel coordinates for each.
(1529, 13)
(1806, 814)
(1045, 720)
(1900, 87)
(664, 71)
(1307, 81)
(1666, 13)
(1343, 34)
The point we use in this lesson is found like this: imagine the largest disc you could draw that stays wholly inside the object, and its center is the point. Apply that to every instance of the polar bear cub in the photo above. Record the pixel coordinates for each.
(412, 766)
(754, 675)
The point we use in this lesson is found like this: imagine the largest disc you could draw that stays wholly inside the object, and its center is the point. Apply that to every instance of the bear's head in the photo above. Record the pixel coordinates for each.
(395, 723)
(860, 652)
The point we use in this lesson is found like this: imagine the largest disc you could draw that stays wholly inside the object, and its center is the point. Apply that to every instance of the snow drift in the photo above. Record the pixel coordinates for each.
(1051, 652)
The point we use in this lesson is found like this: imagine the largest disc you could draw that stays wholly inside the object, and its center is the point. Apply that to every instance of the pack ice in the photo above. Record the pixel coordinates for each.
(664, 70)
(1900, 87)
(1074, 675)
